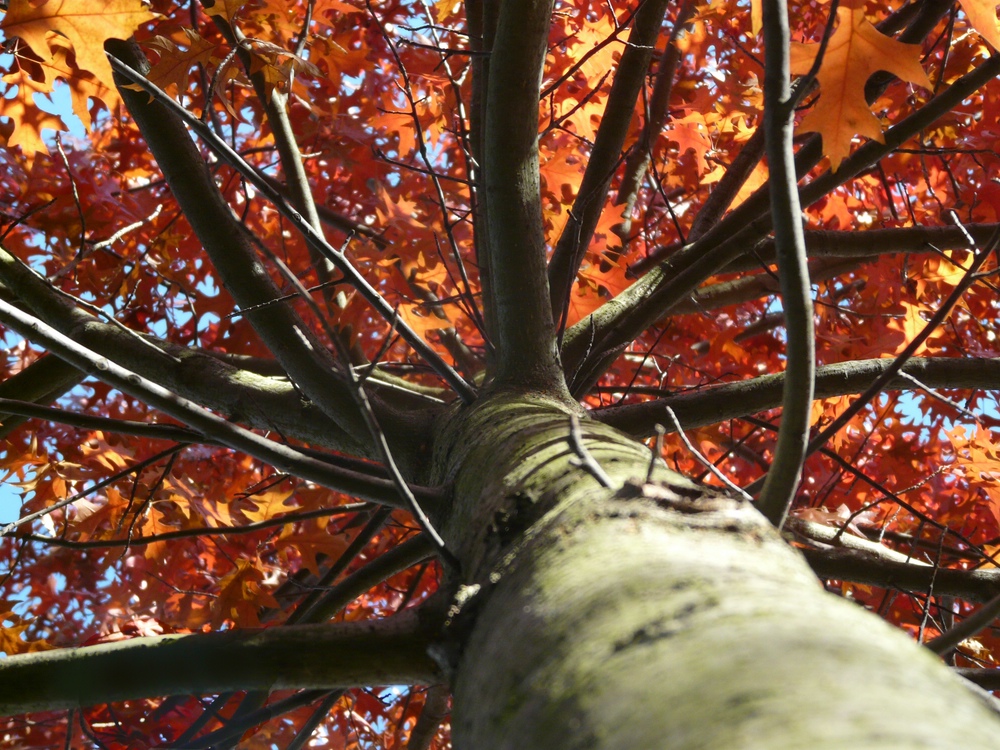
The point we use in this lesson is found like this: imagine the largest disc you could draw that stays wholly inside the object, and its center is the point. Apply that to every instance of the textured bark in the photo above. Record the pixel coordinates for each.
(303, 656)
(658, 615)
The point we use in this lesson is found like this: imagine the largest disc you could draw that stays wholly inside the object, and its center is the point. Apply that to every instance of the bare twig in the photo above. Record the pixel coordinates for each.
(702, 459)
(584, 459)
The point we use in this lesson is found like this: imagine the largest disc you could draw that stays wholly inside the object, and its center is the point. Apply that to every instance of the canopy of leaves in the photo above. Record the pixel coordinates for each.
(174, 534)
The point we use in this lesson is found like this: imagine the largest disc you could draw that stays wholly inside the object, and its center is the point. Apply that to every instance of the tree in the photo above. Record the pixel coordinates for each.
(518, 357)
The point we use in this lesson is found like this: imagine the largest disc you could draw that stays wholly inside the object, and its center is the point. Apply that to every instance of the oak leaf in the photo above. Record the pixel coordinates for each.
(982, 15)
(241, 595)
(171, 71)
(11, 642)
(85, 24)
(855, 51)
(225, 8)
(27, 120)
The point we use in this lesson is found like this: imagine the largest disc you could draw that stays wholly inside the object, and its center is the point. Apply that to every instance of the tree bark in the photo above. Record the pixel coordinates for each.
(658, 614)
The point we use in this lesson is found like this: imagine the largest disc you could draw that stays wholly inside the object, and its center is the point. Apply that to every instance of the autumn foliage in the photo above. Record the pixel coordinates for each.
(137, 534)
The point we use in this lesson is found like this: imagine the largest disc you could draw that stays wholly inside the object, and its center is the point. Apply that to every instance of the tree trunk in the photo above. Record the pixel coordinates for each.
(657, 615)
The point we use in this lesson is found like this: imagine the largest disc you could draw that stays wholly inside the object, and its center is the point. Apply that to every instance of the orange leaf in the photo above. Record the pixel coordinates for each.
(982, 16)
(225, 8)
(856, 51)
(171, 71)
(27, 120)
(87, 25)
(11, 642)
(270, 504)
(241, 595)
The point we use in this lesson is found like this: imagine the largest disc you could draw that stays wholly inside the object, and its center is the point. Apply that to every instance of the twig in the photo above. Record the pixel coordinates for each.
(967, 628)
(697, 454)
(584, 458)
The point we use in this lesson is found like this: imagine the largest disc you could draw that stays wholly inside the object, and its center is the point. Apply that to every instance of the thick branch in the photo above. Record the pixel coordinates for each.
(380, 652)
(853, 243)
(180, 116)
(227, 243)
(640, 156)
(734, 400)
(525, 339)
(42, 381)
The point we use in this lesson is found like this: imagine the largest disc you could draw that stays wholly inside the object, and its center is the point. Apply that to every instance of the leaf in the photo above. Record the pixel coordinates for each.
(28, 120)
(225, 8)
(272, 503)
(171, 71)
(82, 85)
(856, 50)
(241, 595)
(87, 25)
(982, 15)
(11, 641)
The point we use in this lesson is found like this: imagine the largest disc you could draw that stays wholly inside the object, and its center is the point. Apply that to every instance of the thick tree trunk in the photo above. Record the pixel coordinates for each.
(657, 615)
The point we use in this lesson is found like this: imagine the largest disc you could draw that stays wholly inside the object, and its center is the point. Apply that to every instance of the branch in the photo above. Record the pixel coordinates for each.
(853, 243)
(971, 626)
(380, 652)
(481, 17)
(280, 456)
(605, 156)
(593, 343)
(754, 286)
(205, 531)
(782, 480)
(227, 243)
(640, 156)
(878, 570)
(383, 567)
(44, 380)
(525, 339)
(262, 402)
(733, 400)
(165, 107)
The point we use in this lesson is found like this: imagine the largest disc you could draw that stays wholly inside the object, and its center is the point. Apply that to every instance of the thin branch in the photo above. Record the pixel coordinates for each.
(44, 380)
(313, 239)
(621, 319)
(584, 459)
(698, 455)
(226, 240)
(399, 558)
(433, 713)
(873, 569)
(779, 110)
(193, 533)
(641, 154)
(604, 156)
(304, 612)
(136, 467)
(280, 456)
(969, 627)
(235, 727)
(980, 256)
(315, 719)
